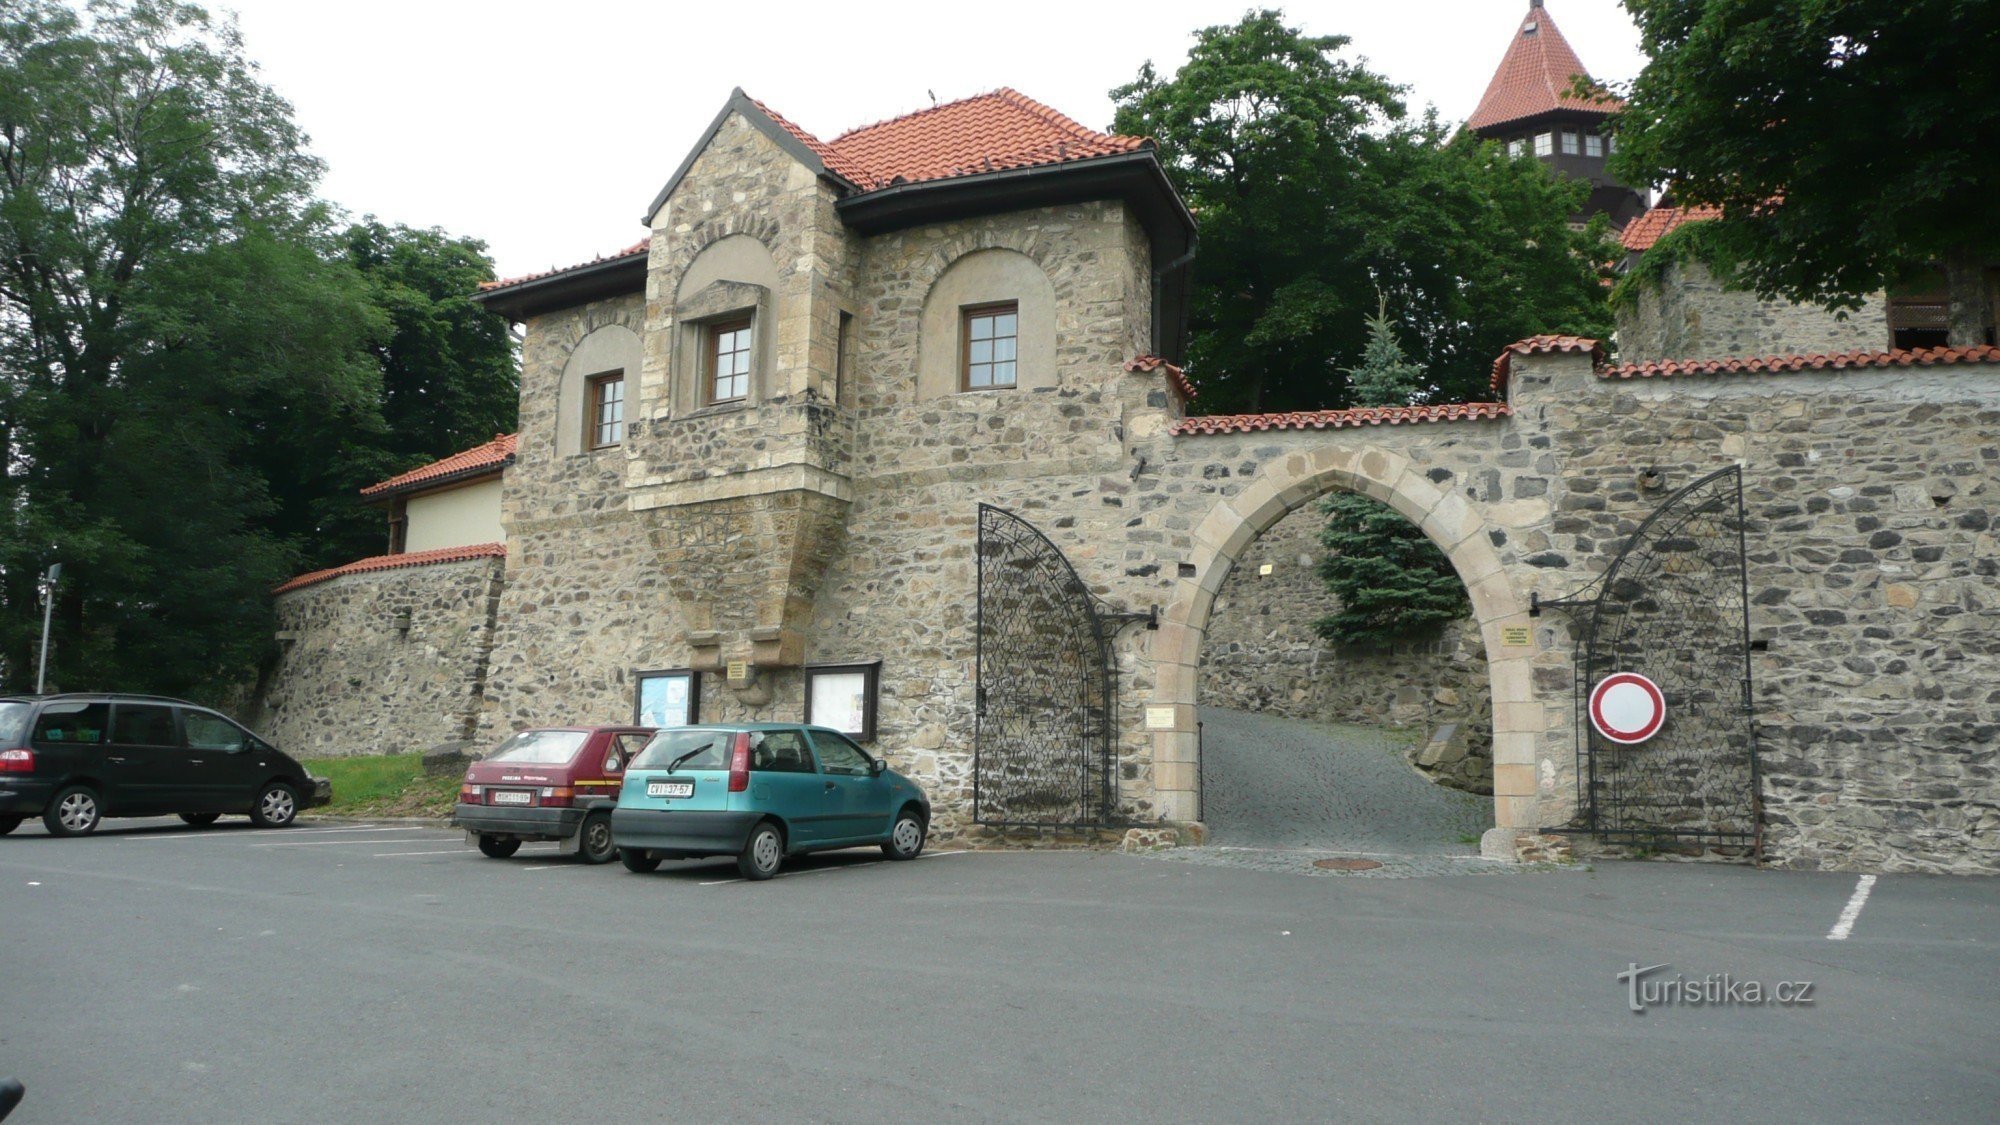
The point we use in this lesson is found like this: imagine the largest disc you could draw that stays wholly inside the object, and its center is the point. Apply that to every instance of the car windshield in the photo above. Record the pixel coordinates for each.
(709, 747)
(13, 723)
(540, 747)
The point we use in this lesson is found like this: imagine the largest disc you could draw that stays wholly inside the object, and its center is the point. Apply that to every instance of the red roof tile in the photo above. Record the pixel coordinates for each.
(982, 133)
(397, 562)
(1777, 364)
(1335, 419)
(836, 162)
(639, 247)
(1641, 233)
(490, 457)
(1535, 76)
(1540, 345)
(1176, 377)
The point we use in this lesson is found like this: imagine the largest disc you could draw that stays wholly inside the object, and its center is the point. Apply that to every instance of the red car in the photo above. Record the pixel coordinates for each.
(551, 783)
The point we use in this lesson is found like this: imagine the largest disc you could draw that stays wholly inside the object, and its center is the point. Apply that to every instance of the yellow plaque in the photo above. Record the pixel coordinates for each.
(739, 669)
(1516, 636)
(1159, 718)
(1265, 569)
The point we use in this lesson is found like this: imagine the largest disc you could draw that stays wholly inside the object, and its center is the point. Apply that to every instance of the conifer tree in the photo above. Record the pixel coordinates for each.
(1392, 582)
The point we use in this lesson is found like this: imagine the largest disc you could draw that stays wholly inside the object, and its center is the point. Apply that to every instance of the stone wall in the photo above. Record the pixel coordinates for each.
(1262, 653)
(381, 662)
(1872, 497)
(1687, 314)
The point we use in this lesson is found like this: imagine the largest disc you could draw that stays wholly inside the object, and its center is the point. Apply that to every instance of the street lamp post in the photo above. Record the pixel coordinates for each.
(48, 610)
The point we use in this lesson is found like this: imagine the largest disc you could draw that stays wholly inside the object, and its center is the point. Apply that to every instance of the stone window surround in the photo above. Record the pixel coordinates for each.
(605, 348)
(593, 406)
(720, 302)
(987, 276)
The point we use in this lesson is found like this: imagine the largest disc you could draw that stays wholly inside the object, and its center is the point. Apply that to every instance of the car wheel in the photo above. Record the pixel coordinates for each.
(277, 806)
(596, 839)
(635, 859)
(907, 838)
(763, 853)
(498, 847)
(201, 819)
(9, 823)
(74, 812)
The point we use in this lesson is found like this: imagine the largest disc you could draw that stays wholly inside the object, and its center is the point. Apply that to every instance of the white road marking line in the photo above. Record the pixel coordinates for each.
(550, 867)
(323, 843)
(441, 851)
(1852, 910)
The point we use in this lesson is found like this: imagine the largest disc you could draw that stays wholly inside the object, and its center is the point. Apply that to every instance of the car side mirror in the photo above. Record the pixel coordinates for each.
(877, 766)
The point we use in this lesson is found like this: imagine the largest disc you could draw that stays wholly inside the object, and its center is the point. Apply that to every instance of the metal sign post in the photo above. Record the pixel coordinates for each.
(48, 611)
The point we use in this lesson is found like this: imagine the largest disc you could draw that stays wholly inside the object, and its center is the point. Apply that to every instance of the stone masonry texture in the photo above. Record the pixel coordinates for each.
(1687, 314)
(832, 519)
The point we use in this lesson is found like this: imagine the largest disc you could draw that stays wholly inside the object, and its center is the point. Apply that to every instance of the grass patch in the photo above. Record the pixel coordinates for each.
(385, 785)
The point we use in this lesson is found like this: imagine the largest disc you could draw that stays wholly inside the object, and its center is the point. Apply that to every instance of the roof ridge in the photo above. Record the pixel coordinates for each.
(836, 162)
(916, 113)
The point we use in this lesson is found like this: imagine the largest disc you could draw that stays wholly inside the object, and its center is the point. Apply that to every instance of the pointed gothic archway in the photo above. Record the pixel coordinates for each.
(1449, 520)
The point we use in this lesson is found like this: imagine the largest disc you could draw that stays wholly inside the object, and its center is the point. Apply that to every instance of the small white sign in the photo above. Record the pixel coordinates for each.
(1159, 718)
(1627, 708)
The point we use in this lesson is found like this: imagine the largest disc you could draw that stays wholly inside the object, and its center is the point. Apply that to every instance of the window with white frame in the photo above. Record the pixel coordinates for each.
(1570, 147)
(1545, 144)
(1593, 145)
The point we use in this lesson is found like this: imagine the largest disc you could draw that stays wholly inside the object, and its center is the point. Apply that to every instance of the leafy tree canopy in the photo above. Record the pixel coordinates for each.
(1849, 143)
(192, 364)
(1314, 192)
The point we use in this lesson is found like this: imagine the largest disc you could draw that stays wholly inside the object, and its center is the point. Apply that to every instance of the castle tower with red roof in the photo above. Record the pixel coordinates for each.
(1531, 107)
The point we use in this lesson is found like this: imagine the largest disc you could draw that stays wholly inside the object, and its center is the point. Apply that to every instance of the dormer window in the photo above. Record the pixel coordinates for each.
(988, 355)
(607, 410)
(727, 359)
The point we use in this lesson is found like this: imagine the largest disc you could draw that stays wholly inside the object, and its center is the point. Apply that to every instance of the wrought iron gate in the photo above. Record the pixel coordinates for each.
(1674, 606)
(1042, 740)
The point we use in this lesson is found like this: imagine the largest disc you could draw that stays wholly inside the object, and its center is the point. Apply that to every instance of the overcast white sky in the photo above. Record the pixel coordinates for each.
(545, 128)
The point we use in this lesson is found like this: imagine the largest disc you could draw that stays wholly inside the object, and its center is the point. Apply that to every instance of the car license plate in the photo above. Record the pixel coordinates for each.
(670, 789)
(511, 796)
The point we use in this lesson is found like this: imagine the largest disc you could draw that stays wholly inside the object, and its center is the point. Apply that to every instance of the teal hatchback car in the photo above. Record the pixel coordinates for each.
(761, 792)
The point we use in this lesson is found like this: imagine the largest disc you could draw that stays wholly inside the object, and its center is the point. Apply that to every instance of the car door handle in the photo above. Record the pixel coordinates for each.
(831, 786)
(116, 761)
(194, 761)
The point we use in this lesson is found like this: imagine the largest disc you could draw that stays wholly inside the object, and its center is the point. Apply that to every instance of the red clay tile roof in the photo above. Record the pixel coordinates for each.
(1176, 378)
(639, 247)
(1641, 233)
(490, 457)
(1540, 345)
(1535, 76)
(836, 162)
(1335, 419)
(1776, 364)
(982, 133)
(397, 562)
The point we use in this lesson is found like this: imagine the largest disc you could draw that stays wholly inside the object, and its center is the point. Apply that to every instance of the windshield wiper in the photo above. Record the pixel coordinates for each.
(697, 751)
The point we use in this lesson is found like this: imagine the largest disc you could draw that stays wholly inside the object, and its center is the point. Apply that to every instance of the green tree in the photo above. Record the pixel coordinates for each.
(1313, 192)
(1392, 581)
(450, 379)
(181, 352)
(1848, 143)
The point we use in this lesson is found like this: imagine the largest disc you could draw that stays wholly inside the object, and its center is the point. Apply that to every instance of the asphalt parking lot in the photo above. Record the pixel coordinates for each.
(387, 972)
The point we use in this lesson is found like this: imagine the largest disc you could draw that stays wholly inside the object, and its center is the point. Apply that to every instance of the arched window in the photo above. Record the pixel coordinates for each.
(989, 325)
(597, 392)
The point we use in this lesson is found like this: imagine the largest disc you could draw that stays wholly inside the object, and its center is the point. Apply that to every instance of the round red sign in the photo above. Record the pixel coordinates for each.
(1627, 708)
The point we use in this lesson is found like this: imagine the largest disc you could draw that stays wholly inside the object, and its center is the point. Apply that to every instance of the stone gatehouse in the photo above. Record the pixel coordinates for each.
(753, 448)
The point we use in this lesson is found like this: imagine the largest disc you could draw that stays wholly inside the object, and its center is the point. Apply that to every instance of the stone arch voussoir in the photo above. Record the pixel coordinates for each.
(1451, 521)
(710, 231)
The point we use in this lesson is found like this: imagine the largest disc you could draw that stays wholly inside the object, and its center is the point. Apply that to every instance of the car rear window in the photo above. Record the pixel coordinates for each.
(710, 750)
(540, 747)
(13, 723)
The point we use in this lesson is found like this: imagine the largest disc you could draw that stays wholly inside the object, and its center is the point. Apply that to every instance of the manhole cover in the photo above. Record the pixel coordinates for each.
(1346, 864)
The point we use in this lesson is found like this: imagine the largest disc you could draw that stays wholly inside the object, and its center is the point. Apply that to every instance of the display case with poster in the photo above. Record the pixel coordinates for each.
(667, 698)
(842, 697)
